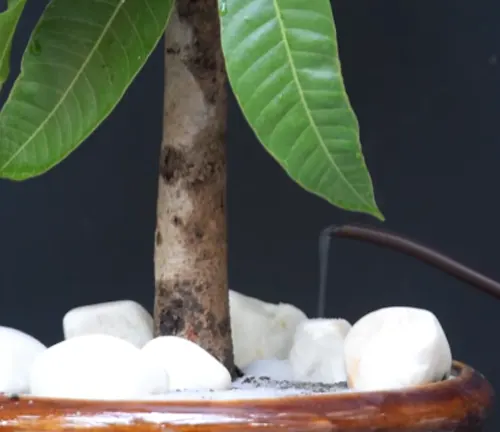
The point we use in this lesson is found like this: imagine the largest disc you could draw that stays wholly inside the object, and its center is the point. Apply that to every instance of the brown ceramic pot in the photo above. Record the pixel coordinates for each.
(458, 404)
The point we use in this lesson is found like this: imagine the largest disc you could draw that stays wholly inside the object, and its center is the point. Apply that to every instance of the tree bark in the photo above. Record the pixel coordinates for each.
(191, 298)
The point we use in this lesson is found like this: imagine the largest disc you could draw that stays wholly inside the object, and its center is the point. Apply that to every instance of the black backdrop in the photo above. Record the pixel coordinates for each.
(425, 82)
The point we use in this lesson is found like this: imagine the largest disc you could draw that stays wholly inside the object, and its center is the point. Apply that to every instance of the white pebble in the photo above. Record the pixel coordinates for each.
(18, 351)
(394, 348)
(261, 330)
(279, 370)
(125, 319)
(96, 367)
(317, 354)
(188, 366)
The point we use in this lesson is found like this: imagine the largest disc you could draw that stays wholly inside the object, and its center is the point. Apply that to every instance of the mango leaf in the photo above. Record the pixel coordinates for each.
(283, 65)
(8, 22)
(81, 58)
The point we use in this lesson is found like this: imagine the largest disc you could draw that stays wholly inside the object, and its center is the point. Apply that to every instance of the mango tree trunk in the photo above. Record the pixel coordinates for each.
(191, 298)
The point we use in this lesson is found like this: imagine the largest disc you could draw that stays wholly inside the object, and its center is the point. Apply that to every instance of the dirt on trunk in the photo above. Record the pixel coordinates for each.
(191, 244)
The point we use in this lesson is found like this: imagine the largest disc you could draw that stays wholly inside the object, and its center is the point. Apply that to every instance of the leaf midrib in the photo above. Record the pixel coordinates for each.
(68, 90)
(306, 105)
(10, 35)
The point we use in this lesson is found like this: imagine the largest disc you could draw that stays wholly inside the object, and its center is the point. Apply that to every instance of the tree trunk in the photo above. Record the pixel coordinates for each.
(191, 298)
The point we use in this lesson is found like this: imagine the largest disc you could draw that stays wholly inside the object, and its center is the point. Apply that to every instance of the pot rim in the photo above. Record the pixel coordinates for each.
(440, 405)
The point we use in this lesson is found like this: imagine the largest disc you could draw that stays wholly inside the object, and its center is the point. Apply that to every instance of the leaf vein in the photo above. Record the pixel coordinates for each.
(66, 93)
(304, 101)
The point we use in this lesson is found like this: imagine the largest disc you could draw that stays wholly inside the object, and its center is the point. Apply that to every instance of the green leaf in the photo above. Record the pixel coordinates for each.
(81, 58)
(8, 23)
(283, 65)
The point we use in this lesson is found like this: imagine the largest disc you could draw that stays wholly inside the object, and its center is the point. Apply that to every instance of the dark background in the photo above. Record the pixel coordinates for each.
(424, 80)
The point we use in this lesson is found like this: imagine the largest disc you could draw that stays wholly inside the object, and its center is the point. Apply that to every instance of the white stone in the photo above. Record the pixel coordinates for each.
(261, 330)
(18, 351)
(96, 367)
(394, 348)
(275, 369)
(125, 319)
(188, 366)
(317, 354)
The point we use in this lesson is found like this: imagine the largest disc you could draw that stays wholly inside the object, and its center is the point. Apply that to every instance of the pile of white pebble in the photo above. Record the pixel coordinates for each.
(109, 352)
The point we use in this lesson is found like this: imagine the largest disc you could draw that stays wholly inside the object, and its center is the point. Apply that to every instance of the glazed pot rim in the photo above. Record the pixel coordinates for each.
(461, 374)
(445, 405)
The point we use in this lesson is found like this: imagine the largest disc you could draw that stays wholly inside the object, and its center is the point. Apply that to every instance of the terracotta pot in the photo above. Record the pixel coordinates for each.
(458, 404)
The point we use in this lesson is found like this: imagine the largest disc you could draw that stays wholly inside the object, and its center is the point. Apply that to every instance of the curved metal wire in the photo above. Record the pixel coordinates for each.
(403, 245)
